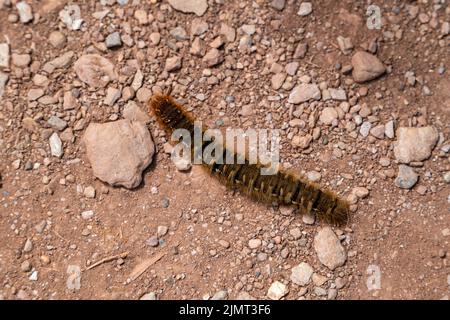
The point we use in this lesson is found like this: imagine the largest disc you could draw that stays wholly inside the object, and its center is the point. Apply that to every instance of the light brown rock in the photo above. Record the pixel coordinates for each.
(366, 67)
(119, 151)
(95, 70)
(329, 249)
(415, 144)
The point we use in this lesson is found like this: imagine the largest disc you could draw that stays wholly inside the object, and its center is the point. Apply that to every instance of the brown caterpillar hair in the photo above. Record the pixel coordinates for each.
(282, 187)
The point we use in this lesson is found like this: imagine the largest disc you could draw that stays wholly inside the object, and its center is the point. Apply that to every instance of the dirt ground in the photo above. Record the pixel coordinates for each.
(192, 232)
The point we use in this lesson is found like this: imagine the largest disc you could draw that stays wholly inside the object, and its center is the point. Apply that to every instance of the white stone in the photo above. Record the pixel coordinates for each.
(56, 147)
(301, 274)
(277, 290)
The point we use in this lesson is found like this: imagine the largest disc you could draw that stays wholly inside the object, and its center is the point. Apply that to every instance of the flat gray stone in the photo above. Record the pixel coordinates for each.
(406, 178)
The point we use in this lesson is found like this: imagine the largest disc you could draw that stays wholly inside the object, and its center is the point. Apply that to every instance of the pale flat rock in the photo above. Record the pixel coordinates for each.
(95, 70)
(4, 55)
(119, 151)
(366, 67)
(277, 290)
(198, 7)
(415, 144)
(304, 92)
(328, 115)
(301, 274)
(60, 62)
(132, 112)
(329, 249)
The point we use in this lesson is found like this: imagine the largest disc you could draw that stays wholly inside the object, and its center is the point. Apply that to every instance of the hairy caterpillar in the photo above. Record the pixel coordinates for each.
(282, 187)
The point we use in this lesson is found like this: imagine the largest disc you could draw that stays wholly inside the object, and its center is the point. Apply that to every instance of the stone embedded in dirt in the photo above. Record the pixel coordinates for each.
(3, 81)
(40, 80)
(305, 9)
(291, 68)
(86, 215)
(366, 67)
(228, 32)
(28, 246)
(278, 80)
(277, 290)
(302, 142)
(71, 17)
(152, 241)
(89, 192)
(57, 123)
(4, 55)
(378, 131)
(143, 95)
(301, 274)
(278, 4)
(190, 6)
(415, 144)
(25, 12)
(198, 47)
(57, 39)
(113, 40)
(198, 27)
(74, 277)
(141, 16)
(95, 70)
(59, 62)
(212, 58)
(245, 43)
(254, 243)
(155, 38)
(179, 33)
(338, 94)
(56, 145)
(220, 295)
(406, 178)
(389, 129)
(112, 95)
(345, 44)
(309, 218)
(365, 128)
(148, 296)
(21, 60)
(328, 115)
(173, 64)
(300, 51)
(313, 176)
(304, 92)
(360, 192)
(132, 112)
(35, 93)
(329, 249)
(119, 151)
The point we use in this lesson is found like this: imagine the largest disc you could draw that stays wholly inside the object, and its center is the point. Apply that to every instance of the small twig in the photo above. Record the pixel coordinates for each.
(107, 259)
